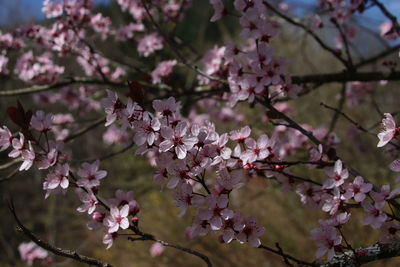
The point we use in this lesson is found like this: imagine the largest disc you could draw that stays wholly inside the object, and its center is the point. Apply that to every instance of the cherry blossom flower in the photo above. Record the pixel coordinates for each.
(163, 69)
(228, 181)
(216, 211)
(183, 197)
(18, 146)
(256, 150)
(385, 193)
(177, 139)
(333, 202)
(357, 189)
(219, 10)
(30, 252)
(156, 249)
(389, 130)
(149, 44)
(118, 218)
(394, 166)
(166, 107)
(28, 156)
(41, 121)
(375, 216)
(337, 175)
(309, 194)
(231, 226)
(57, 178)
(327, 238)
(147, 130)
(389, 232)
(5, 138)
(122, 198)
(112, 106)
(90, 175)
(240, 135)
(109, 238)
(89, 202)
(251, 232)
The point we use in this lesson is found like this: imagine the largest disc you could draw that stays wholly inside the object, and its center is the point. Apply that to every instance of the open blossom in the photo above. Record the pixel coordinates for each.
(395, 165)
(177, 139)
(26, 152)
(229, 181)
(109, 238)
(389, 130)
(375, 216)
(219, 10)
(122, 198)
(90, 175)
(57, 178)
(147, 130)
(389, 232)
(183, 197)
(163, 69)
(357, 189)
(89, 202)
(118, 218)
(385, 193)
(256, 150)
(30, 252)
(5, 138)
(327, 238)
(337, 175)
(149, 44)
(41, 121)
(216, 211)
(166, 107)
(231, 226)
(251, 232)
(113, 107)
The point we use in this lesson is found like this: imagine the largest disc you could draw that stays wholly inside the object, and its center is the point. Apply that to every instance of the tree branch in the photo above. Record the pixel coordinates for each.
(57, 251)
(365, 255)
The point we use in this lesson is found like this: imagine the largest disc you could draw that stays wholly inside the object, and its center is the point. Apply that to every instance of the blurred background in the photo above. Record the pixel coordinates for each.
(285, 219)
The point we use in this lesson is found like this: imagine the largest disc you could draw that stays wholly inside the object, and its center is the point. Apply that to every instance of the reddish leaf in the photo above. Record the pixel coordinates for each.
(20, 118)
(136, 92)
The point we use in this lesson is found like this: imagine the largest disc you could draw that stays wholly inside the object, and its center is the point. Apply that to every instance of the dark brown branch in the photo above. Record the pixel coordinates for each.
(84, 130)
(148, 237)
(57, 251)
(310, 32)
(365, 255)
(62, 83)
(386, 12)
(346, 77)
(286, 256)
(378, 56)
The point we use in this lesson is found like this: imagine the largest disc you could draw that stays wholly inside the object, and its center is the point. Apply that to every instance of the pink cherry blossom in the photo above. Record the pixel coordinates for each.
(149, 44)
(385, 193)
(375, 216)
(30, 252)
(109, 238)
(389, 130)
(118, 218)
(156, 249)
(163, 69)
(251, 232)
(89, 202)
(216, 211)
(166, 107)
(57, 178)
(395, 165)
(90, 175)
(5, 138)
(257, 150)
(219, 10)
(122, 198)
(183, 197)
(327, 238)
(177, 139)
(41, 121)
(337, 175)
(357, 189)
(113, 107)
